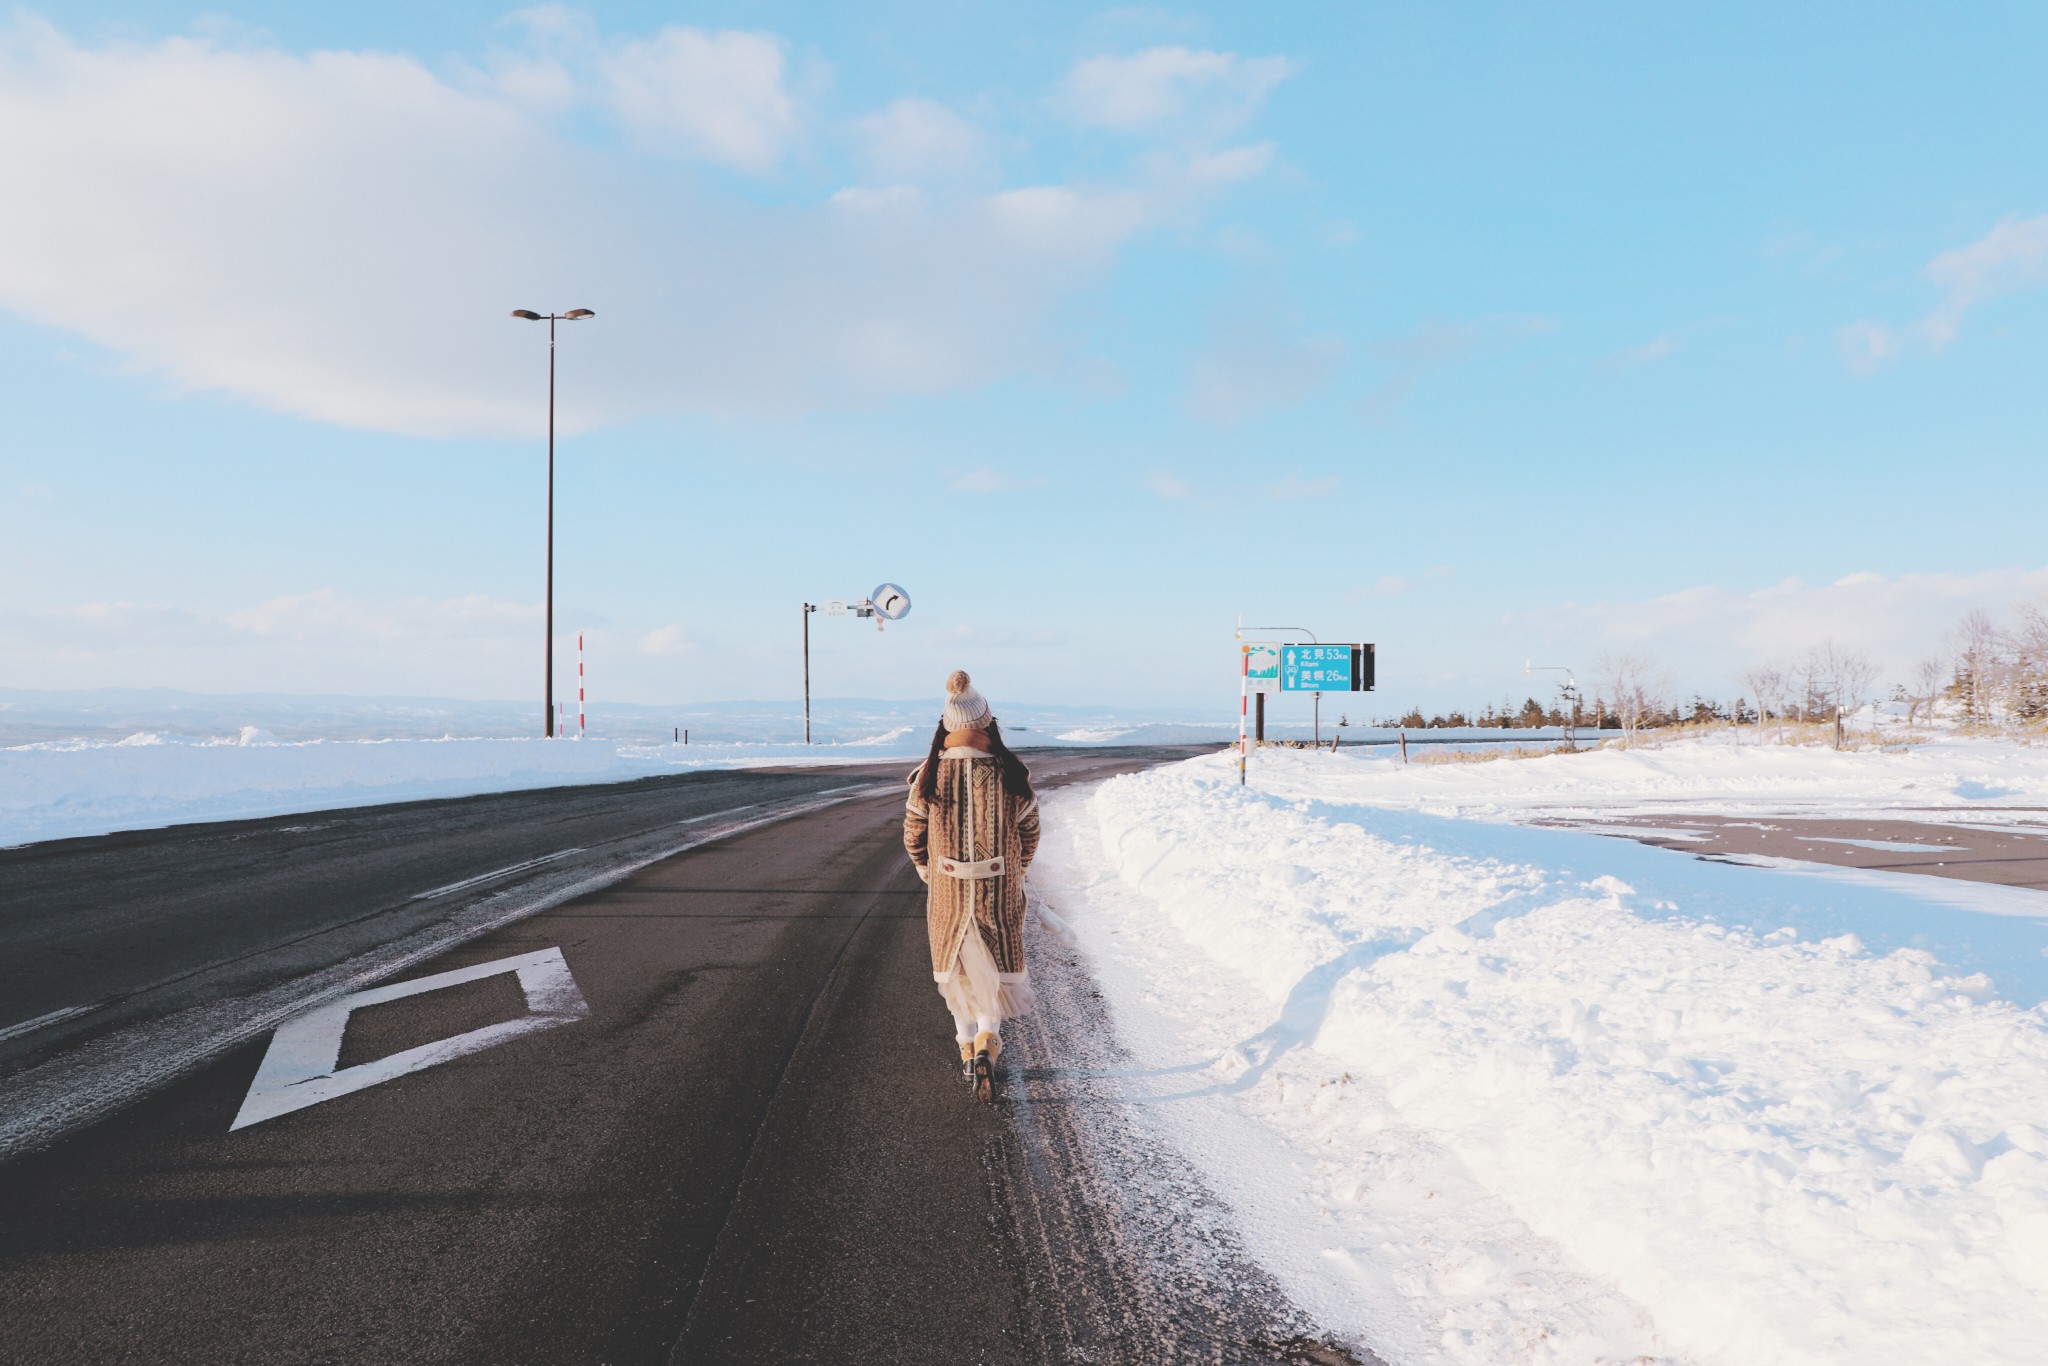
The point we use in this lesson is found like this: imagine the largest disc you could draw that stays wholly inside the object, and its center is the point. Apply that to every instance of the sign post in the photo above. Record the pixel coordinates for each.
(808, 609)
(1320, 668)
(1244, 684)
(1314, 668)
(1258, 672)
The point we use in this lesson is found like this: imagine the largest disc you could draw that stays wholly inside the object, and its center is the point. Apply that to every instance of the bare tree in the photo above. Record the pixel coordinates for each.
(1810, 674)
(1850, 674)
(1980, 649)
(1927, 676)
(1766, 682)
(2027, 662)
(1632, 686)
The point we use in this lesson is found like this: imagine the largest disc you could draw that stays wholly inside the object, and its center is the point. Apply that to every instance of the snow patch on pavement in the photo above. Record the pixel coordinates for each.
(1484, 1093)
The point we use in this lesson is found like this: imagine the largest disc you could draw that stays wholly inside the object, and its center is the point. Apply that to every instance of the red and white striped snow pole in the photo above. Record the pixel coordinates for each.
(1244, 693)
(579, 685)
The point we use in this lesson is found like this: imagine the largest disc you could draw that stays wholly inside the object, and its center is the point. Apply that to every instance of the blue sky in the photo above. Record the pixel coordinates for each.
(1481, 332)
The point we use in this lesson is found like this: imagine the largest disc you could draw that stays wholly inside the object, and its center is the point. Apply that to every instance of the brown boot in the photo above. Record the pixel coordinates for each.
(987, 1047)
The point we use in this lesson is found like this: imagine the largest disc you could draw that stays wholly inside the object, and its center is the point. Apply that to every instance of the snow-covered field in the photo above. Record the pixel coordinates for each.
(59, 789)
(1482, 1092)
(127, 760)
(1726, 774)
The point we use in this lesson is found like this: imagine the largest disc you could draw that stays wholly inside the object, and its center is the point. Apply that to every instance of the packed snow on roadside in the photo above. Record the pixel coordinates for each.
(1729, 773)
(59, 789)
(1481, 1092)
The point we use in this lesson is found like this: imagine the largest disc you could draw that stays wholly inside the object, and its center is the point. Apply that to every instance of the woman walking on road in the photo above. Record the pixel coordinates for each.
(971, 827)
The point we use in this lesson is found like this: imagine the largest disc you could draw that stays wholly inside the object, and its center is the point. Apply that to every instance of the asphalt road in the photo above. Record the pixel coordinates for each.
(2009, 855)
(135, 925)
(727, 1125)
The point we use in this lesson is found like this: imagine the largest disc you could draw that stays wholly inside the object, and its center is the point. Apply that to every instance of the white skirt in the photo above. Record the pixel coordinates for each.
(979, 996)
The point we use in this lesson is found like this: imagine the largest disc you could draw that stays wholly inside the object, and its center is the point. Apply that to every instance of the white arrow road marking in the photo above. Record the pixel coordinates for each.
(299, 1068)
(54, 1098)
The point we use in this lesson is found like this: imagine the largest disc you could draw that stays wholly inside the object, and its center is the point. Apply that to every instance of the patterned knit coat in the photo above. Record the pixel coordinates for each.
(971, 818)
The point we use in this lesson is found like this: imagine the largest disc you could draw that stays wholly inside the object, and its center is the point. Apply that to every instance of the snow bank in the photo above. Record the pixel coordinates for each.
(1717, 775)
(1478, 1108)
(60, 789)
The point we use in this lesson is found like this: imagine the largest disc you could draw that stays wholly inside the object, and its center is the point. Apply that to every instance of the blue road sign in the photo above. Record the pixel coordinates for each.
(1318, 668)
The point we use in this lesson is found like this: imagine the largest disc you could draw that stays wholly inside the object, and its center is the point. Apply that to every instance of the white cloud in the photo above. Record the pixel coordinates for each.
(340, 235)
(664, 641)
(879, 198)
(1231, 165)
(1866, 347)
(330, 641)
(718, 96)
(1657, 348)
(1168, 486)
(1171, 87)
(1294, 486)
(322, 641)
(1386, 586)
(327, 616)
(1435, 346)
(714, 96)
(2011, 257)
(916, 140)
(992, 481)
(537, 74)
(1249, 365)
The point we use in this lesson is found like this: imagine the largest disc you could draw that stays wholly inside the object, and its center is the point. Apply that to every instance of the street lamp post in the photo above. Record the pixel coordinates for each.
(808, 609)
(573, 315)
(886, 604)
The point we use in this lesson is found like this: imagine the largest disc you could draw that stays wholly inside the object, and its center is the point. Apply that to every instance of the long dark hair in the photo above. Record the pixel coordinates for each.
(1016, 777)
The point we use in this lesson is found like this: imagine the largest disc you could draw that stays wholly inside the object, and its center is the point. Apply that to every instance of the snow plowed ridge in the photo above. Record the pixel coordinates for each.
(1578, 1125)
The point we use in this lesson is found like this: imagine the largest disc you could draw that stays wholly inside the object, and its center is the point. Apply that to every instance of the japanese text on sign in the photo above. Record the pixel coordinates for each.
(1326, 668)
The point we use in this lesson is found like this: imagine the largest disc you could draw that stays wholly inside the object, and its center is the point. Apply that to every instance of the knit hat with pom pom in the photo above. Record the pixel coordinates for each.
(966, 709)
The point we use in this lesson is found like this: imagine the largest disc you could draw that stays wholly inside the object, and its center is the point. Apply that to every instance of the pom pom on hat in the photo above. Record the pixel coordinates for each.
(966, 709)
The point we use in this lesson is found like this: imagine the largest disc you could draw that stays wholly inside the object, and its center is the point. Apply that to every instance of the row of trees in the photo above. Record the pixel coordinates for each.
(1993, 675)
(1990, 675)
(1827, 683)
(1596, 715)
(1998, 675)
(1528, 716)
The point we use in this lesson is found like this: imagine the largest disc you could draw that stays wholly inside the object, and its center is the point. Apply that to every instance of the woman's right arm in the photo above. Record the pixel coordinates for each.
(917, 830)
